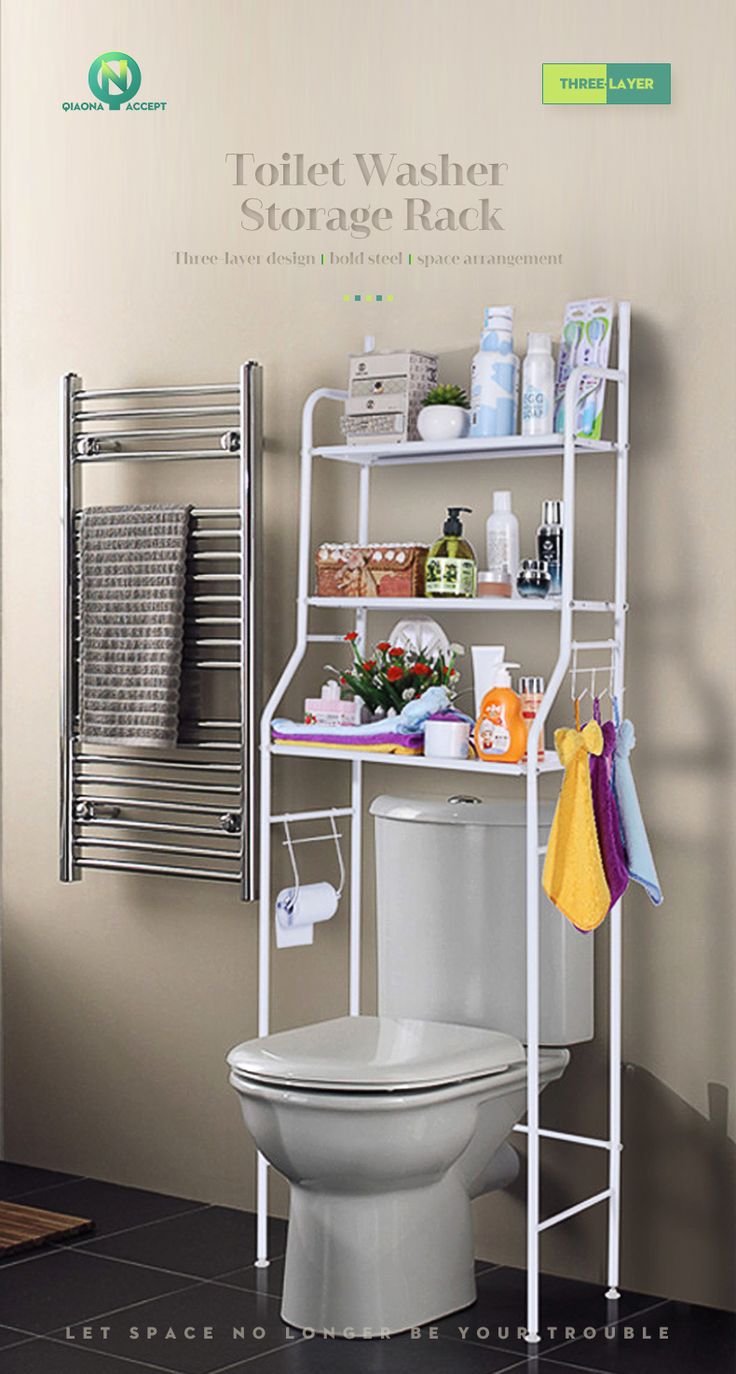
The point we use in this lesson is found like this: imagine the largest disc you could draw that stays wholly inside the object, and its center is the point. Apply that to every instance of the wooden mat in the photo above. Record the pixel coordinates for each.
(22, 1228)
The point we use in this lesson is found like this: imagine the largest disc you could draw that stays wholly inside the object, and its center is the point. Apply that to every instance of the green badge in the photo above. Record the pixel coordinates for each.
(114, 78)
(606, 83)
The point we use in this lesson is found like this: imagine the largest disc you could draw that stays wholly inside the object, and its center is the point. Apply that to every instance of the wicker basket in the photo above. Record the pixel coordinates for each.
(371, 569)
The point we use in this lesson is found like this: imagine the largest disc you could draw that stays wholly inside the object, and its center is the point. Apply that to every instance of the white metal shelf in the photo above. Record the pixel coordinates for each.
(458, 450)
(368, 460)
(551, 762)
(452, 603)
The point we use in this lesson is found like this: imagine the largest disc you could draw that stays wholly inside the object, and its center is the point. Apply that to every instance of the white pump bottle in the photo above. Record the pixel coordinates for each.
(502, 542)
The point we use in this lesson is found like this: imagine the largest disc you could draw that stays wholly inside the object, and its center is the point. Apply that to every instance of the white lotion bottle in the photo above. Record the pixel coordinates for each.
(502, 542)
(537, 387)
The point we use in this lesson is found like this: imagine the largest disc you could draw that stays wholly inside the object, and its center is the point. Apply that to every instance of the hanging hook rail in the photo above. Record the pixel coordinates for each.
(576, 668)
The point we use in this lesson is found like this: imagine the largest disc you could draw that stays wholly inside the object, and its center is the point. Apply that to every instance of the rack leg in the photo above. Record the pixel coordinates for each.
(614, 1106)
(616, 922)
(264, 986)
(532, 1015)
(356, 847)
(262, 1260)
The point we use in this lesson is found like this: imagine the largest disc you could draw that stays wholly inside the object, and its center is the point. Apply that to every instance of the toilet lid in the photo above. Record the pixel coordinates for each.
(376, 1054)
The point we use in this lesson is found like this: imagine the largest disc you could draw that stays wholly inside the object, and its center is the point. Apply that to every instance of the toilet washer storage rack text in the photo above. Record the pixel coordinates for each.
(569, 648)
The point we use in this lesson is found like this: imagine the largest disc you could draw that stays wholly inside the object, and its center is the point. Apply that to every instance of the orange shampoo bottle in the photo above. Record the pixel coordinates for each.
(500, 730)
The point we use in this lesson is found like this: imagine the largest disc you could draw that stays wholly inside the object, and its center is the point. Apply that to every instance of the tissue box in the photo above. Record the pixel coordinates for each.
(371, 569)
(385, 394)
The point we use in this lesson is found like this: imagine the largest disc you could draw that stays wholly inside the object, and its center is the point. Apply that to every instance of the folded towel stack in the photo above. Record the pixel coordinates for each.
(132, 587)
(380, 737)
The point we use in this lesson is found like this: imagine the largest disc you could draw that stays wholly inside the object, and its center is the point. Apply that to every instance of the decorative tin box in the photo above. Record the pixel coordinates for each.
(385, 395)
(371, 569)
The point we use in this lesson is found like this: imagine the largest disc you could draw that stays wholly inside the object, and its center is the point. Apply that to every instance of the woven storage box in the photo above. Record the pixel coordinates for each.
(385, 394)
(371, 569)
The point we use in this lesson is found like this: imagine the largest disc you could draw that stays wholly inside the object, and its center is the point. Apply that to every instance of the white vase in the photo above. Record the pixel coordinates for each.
(439, 423)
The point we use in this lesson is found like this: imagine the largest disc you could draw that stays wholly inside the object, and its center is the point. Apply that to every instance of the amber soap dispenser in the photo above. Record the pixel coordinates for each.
(500, 731)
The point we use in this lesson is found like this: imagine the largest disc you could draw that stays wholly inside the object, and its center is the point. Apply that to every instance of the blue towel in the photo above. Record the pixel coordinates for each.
(434, 702)
(638, 851)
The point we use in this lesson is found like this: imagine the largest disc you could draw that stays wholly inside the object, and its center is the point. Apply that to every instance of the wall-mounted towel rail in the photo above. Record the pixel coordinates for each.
(130, 809)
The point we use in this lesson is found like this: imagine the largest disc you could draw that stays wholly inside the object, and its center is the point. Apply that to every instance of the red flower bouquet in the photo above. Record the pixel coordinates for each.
(392, 676)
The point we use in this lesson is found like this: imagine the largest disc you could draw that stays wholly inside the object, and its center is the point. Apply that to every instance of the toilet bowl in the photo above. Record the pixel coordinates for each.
(386, 1129)
(387, 1126)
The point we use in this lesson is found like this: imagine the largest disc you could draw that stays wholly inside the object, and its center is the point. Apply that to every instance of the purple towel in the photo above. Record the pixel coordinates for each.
(605, 809)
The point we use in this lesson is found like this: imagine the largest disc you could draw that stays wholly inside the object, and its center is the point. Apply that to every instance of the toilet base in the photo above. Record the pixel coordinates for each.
(373, 1264)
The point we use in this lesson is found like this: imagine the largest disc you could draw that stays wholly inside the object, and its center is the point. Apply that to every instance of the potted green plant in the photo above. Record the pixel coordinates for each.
(445, 414)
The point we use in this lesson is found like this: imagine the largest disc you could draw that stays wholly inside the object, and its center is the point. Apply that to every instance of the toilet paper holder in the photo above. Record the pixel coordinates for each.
(334, 835)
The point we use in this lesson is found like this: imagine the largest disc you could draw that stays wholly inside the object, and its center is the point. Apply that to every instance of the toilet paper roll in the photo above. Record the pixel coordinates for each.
(297, 912)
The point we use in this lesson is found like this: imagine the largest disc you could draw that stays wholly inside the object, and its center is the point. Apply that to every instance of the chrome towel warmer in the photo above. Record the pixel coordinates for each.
(188, 812)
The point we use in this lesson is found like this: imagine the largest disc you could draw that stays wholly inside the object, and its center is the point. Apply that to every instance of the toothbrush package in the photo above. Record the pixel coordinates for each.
(586, 339)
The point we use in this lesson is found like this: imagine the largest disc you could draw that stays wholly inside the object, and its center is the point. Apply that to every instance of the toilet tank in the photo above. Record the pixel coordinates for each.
(451, 921)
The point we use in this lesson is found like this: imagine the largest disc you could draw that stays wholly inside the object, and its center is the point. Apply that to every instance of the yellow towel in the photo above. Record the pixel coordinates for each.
(574, 878)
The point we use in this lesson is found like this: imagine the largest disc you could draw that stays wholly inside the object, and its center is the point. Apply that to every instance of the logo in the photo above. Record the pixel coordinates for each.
(606, 83)
(115, 78)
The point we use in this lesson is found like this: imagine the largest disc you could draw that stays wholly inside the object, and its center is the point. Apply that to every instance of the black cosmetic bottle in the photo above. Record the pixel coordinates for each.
(549, 543)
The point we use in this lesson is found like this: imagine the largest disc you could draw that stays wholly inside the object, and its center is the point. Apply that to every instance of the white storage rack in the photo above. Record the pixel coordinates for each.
(566, 607)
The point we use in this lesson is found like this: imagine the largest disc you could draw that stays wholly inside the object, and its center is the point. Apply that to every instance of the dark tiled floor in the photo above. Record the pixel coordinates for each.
(229, 1316)
(697, 1338)
(16, 1179)
(9, 1336)
(111, 1207)
(399, 1355)
(168, 1284)
(564, 1305)
(204, 1243)
(61, 1286)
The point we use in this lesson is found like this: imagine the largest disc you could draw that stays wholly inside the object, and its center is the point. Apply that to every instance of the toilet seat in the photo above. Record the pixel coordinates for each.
(375, 1054)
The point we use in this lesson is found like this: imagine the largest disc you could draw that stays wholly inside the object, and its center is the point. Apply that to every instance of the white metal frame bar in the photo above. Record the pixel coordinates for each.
(573, 1211)
(615, 646)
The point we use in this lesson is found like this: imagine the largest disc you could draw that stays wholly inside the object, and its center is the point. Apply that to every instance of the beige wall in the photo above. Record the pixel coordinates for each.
(122, 995)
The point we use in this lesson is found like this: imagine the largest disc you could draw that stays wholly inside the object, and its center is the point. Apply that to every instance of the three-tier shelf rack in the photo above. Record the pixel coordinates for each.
(566, 607)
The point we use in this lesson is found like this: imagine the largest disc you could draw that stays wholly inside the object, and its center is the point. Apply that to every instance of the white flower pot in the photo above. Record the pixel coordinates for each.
(438, 423)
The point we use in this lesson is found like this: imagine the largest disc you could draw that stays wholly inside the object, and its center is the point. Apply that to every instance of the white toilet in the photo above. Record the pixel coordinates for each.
(387, 1127)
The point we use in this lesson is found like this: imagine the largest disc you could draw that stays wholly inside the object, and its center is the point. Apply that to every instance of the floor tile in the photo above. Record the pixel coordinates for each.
(203, 1244)
(25, 1256)
(9, 1336)
(63, 1287)
(23, 1178)
(51, 1357)
(499, 1313)
(269, 1280)
(112, 1207)
(398, 1355)
(698, 1338)
(230, 1314)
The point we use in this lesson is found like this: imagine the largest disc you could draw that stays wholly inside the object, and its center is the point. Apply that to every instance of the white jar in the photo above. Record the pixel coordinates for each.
(437, 424)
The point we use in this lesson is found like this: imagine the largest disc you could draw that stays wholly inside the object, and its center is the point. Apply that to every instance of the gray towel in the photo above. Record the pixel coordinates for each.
(132, 584)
